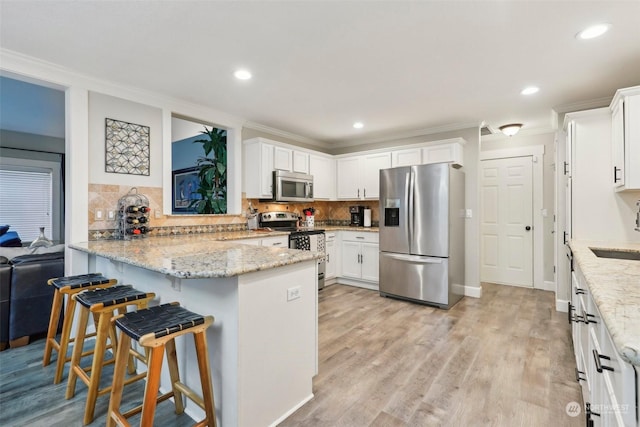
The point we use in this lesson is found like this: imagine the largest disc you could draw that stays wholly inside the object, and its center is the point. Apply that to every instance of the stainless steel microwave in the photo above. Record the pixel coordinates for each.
(292, 187)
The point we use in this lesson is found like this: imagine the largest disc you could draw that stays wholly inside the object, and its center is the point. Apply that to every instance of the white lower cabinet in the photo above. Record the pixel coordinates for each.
(608, 383)
(277, 241)
(359, 259)
(331, 258)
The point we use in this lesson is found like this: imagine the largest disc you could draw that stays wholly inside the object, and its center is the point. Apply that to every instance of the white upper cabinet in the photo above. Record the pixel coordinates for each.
(348, 177)
(370, 173)
(323, 169)
(625, 139)
(257, 169)
(283, 159)
(359, 176)
(439, 153)
(300, 162)
(408, 157)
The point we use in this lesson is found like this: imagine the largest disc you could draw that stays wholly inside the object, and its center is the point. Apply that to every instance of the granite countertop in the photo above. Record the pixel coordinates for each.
(615, 287)
(197, 256)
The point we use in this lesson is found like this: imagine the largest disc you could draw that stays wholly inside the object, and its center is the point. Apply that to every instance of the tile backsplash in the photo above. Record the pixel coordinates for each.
(105, 198)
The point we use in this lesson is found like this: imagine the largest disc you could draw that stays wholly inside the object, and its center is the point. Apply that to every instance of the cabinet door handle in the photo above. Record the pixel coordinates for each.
(569, 313)
(590, 412)
(587, 319)
(615, 174)
(565, 168)
(600, 367)
(328, 257)
(358, 193)
(364, 193)
(578, 377)
(580, 291)
(564, 239)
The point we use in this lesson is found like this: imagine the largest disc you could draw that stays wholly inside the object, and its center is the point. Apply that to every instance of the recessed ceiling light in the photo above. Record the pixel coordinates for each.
(593, 31)
(530, 90)
(242, 75)
(358, 125)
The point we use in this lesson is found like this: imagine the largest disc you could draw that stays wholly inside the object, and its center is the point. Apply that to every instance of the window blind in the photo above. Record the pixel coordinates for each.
(26, 202)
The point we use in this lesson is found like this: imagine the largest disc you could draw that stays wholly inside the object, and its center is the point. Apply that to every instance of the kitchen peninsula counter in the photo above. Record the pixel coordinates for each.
(615, 287)
(263, 344)
(197, 256)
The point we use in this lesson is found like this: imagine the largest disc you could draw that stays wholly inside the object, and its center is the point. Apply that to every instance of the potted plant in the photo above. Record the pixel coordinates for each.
(212, 173)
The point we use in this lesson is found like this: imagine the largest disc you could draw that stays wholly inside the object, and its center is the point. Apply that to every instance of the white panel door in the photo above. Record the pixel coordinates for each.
(506, 221)
(371, 165)
(351, 266)
(348, 185)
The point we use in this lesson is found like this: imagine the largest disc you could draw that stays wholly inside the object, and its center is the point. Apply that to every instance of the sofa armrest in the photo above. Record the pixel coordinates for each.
(31, 296)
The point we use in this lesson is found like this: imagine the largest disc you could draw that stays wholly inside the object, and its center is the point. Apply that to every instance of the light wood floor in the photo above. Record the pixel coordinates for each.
(503, 360)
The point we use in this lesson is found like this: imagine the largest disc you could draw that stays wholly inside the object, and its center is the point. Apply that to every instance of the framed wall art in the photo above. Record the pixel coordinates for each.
(185, 186)
(127, 148)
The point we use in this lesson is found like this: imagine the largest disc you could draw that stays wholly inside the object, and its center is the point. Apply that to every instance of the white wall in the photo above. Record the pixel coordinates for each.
(104, 106)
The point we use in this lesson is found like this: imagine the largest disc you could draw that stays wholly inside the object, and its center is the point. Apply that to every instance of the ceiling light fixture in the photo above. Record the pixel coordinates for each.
(530, 90)
(510, 129)
(593, 31)
(358, 125)
(242, 75)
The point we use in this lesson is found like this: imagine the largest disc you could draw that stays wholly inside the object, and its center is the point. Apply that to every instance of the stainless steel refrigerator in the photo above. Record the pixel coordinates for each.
(422, 234)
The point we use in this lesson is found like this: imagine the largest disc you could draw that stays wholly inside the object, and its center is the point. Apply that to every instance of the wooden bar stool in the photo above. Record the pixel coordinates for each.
(156, 328)
(68, 285)
(102, 303)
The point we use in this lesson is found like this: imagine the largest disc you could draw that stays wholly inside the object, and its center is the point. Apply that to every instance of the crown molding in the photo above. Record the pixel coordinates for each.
(399, 135)
(583, 105)
(289, 135)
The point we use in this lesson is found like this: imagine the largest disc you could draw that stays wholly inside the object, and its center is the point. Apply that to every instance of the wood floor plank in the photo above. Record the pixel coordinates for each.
(481, 363)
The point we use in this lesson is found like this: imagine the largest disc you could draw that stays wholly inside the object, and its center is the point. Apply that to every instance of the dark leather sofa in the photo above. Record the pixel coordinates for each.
(25, 302)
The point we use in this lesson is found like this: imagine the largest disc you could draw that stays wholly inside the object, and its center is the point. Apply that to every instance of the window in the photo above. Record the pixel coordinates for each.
(26, 201)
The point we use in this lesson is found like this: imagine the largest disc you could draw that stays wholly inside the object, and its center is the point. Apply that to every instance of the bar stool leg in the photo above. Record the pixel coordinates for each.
(151, 389)
(77, 354)
(53, 326)
(172, 361)
(64, 340)
(122, 356)
(96, 366)
(205, 376)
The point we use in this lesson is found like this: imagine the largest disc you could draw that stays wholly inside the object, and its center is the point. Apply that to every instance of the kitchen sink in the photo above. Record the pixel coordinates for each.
(616, 254)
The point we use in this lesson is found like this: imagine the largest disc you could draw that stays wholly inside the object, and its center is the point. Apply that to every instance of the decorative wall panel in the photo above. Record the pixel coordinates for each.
(127, 148)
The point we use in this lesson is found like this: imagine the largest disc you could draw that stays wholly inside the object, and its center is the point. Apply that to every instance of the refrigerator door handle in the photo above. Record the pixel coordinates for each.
(412, 183)
(414, 258)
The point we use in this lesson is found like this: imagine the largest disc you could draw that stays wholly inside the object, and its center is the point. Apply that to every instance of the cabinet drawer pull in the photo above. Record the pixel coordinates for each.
(580, 291)
(600, 367)
(588, 317)
(359, 237)
(578, 377)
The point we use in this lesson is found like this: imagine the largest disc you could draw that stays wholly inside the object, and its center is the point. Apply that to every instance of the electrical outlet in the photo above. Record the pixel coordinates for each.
(99, 215)
(469, 213)
(157, 213)
(111, 215)
(293, 293)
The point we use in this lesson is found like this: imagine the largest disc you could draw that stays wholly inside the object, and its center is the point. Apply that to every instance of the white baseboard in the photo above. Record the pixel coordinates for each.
(473, 291)
(562, 305)
(549, 286)
(290, 411)
(351, 282)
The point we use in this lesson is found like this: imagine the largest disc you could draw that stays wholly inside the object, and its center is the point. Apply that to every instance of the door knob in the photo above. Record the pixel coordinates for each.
(528, 227)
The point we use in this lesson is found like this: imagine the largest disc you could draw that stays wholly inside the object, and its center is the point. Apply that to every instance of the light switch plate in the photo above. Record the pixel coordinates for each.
(111, 215)
(99, 215)
(157, 213)
(293, 293)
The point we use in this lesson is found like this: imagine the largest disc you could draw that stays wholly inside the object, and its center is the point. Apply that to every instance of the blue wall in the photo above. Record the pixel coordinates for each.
(185, 153)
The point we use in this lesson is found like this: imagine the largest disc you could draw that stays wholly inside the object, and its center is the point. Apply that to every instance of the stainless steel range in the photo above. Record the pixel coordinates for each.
(299, 237)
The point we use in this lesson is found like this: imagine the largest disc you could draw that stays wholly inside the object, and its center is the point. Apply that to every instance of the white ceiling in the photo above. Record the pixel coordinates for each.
(319, 66)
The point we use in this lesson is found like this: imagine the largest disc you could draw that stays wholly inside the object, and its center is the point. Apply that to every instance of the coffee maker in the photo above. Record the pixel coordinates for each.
(357, 216)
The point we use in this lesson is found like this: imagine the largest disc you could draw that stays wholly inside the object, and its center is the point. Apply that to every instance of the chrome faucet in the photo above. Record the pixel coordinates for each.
(638, 216)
